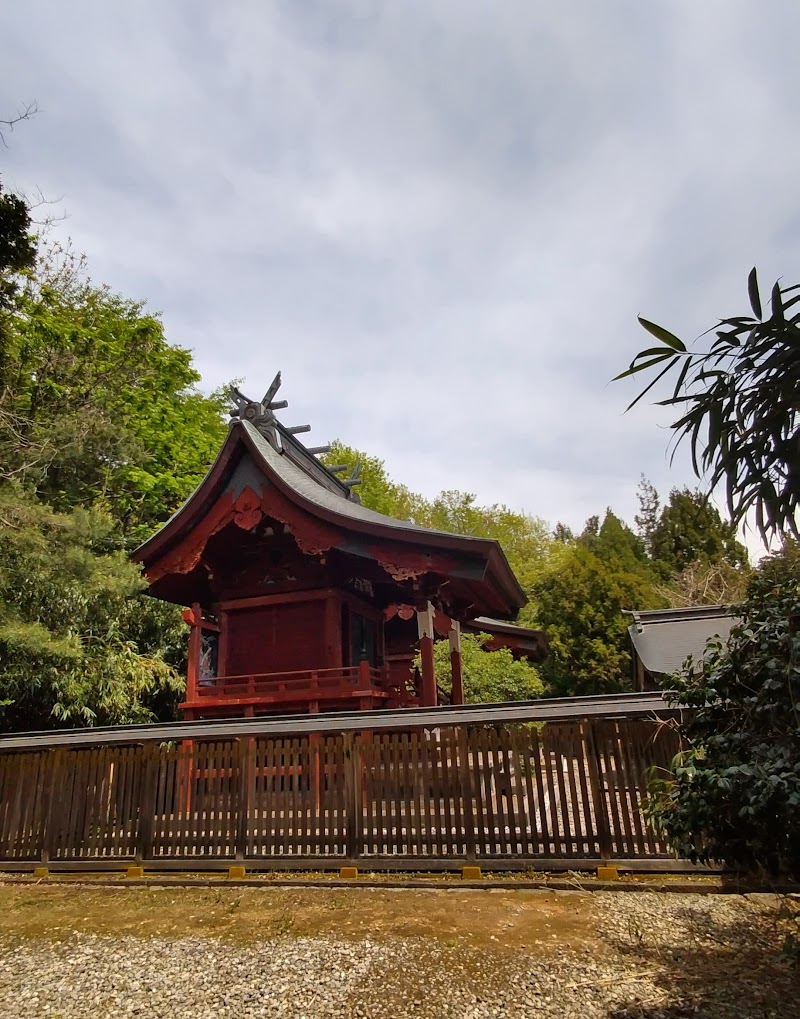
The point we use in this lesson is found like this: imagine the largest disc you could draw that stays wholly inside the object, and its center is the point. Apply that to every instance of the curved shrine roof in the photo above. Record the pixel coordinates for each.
(308, 484)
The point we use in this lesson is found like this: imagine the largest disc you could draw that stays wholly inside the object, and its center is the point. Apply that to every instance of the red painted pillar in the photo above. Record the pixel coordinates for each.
(454, 636)
(193, 617)
(425, 627)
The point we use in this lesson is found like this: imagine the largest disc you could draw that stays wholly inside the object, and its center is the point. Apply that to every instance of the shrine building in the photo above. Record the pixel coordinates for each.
(300, 599)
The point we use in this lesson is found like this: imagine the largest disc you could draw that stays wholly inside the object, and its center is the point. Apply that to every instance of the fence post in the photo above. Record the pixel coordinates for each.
(244, 752)
(467, 791)
(353, 805)
(147, 801)
(596, 781)
(49, 829)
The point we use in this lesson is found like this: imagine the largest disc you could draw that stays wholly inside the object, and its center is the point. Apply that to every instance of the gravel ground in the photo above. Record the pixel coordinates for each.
(637, 956)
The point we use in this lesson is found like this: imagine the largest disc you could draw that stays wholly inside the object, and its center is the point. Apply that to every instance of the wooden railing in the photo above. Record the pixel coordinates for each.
(361, 685)
(318, 680)
(560, 794)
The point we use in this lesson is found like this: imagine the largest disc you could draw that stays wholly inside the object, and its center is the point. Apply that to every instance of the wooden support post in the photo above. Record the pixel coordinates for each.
(194, 618)
(457, 696)
(429, 693)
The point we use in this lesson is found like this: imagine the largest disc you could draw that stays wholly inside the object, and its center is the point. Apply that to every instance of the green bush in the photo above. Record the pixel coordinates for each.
(734, 791)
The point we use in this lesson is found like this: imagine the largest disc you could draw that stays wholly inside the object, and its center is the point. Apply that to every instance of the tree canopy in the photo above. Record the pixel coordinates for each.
(68, 617)
(580, 603)
(17, 246)
(739, 407)
(96, 407)
(685, 530)
(103, 433)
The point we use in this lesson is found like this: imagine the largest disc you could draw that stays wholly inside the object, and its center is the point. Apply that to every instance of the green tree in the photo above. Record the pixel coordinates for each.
(489, 676)
(733, 794)
(739, 407)
(17, 248)
(688, 529)
(97, 408)
(17, 257)
(68, 619)
(526, 540)
(579, 602)
(615, 543)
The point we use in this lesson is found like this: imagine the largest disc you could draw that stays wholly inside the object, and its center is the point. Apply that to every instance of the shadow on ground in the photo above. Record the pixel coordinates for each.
(746, 967)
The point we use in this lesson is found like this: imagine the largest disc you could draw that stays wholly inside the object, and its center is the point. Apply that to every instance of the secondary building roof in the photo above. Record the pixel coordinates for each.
(664, 638)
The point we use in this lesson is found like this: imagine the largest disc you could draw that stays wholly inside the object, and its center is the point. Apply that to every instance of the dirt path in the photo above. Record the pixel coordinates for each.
(73, 951)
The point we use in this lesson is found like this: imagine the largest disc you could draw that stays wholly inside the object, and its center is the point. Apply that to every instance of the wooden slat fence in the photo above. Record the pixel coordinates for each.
(555, 792)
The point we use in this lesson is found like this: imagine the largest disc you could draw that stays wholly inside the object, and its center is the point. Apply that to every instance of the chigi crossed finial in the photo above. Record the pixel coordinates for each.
(261, 414)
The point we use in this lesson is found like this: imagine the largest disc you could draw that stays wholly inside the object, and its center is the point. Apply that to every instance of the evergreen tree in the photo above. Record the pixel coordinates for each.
(688, 529)
(646, 519)
(580, 603)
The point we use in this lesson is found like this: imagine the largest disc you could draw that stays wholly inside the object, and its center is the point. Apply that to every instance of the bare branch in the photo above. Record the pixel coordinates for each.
(37, 201)
(25, 112)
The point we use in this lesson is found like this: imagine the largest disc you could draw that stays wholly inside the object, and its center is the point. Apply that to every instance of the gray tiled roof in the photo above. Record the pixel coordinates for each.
(664, 638)
(322, 496)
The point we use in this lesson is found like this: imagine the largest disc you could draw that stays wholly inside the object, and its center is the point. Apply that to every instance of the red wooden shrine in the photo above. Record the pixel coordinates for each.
(301, 599)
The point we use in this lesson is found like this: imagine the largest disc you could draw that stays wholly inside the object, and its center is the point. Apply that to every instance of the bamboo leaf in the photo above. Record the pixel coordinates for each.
(634, 368)
(663, 334)
(777, 303)
(755, 297)
(645, 391)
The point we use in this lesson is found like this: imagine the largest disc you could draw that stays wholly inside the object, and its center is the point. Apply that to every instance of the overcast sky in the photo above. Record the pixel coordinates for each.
(438, 218)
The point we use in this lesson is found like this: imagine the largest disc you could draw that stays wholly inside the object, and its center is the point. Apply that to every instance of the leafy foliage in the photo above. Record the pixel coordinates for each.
(377, 491)
(739, 406)
(96, 407)
(489, 676)
(734, 791)
(17, 246)
(580, 603)
(68, 617)
(688, 529)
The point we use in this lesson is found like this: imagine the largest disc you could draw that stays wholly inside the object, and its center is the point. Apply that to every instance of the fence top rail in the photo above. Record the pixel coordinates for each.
(554, 709)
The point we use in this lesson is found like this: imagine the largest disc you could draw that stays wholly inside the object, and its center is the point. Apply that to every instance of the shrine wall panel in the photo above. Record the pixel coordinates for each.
(276, 638)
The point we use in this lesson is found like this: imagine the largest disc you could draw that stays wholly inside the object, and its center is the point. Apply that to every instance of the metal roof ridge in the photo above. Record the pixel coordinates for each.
(688, 612)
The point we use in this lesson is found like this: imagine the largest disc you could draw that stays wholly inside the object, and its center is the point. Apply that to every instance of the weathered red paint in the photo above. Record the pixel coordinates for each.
(404, 562)
(457, 695)
(286, 578)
